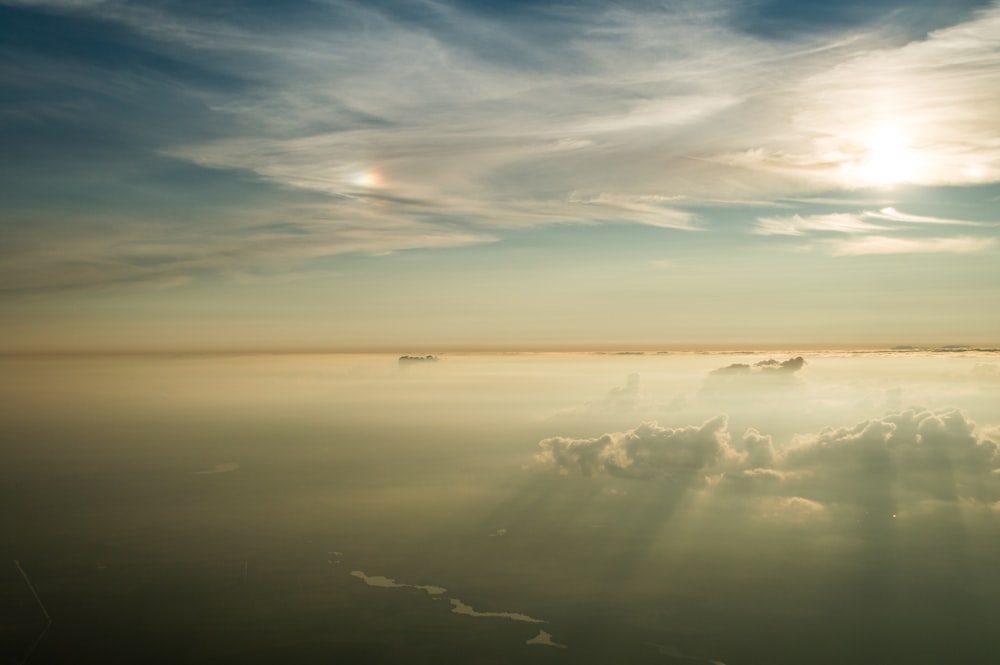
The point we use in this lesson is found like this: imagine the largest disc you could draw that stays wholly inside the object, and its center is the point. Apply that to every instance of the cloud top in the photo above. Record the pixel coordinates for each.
(644, 452)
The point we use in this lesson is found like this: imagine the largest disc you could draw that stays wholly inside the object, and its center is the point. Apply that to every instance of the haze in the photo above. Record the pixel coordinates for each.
(639, 508)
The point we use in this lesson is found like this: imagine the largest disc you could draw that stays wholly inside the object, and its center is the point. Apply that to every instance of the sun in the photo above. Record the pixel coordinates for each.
(888, 158)
(369, 178)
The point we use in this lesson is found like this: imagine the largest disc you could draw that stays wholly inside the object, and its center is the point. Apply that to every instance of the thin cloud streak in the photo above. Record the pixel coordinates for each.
(852, 223)
(872, 245)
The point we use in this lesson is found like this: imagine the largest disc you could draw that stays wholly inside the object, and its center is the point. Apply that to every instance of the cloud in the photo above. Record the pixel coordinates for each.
(628, 398)
(647, 451)
(789, 509)
(796, 225)
(760, 450)
(459, 127)
(897, 460)
(872, 245)
(150, 252)
(852, 223)
(893, 215)
(625, 397)
(877, 464)
(757, 381)
(912, 438)
(768, 367)
(892, 234)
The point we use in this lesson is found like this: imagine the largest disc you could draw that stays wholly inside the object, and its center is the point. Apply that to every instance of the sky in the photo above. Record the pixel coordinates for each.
(425, 176)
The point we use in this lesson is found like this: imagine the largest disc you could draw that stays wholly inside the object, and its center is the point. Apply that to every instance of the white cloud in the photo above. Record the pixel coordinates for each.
(162, 256)
(891, 245)
(760, 450)
(893, 215)
(644, 452)
(912, 455)
(877, 464)
(796, 225)
(890, 221)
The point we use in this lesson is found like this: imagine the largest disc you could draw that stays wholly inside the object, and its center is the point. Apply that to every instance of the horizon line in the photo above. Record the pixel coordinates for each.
(706, 349)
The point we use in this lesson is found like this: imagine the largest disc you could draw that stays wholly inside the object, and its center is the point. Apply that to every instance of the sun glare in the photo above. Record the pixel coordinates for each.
(888, 158)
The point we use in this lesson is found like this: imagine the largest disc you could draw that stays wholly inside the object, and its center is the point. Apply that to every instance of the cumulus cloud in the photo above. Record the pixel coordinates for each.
(881, 464)
(759, 449)
(914, 440)
(644, 452)
(902, 458)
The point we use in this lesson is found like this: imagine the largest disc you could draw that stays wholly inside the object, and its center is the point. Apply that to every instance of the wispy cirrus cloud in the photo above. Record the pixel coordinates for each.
(156, 254)
(797, 225)
(886, 231)
(887, 219)
(870, 245)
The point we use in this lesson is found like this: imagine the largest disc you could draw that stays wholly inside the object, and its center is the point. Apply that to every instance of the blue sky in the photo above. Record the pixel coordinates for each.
(452, 175)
